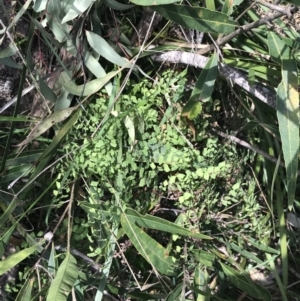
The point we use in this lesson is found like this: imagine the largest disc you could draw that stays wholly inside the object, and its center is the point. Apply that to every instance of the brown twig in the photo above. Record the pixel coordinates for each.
(287, 11)
(274, 7)
(249, 146)
(238, 77)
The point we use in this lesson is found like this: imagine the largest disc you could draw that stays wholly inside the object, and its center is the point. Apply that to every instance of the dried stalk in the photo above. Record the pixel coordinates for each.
(268, 18)
(238, 77)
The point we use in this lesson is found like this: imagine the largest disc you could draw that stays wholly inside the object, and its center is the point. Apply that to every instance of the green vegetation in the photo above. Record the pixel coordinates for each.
(161, 167)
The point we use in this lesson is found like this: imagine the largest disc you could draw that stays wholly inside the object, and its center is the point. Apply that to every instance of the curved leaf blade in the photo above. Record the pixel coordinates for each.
(15, 173)
(13, 260)
(64, 281)
(25, 157)
(10, 50)
(78, 7)
(192, 109)
(287, 102)
(203, 88)
(25, 291)
(63, 101)
(244, 282)
(117, 5)
(90, 87)
(143, 221)
(48, 123)
(156, 223)
(39, 5)
(105, 50)
(198, 18)
(206, 80)
(153, 2)
(131, 130)
(276, 46)
(45, 157)
(150, 249)
(288, 119)
(93, 65)
(60, 31)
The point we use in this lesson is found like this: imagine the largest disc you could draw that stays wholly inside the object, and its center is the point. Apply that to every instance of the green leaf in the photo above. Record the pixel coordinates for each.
(261, 246)
(156, 223)
(228, 6)
(251, 77)
(296, 2)
(7, 210)
(136, 294)
(46, 156)
(60, 31)
(10, 50)
(150, 249)
(7, 61)
(288, 119)
(26, 289)
(197, 18)
(278, 278)
(117, 6)
(46, 91)
(18, 118)
(39, 5)
(276, 46)
(203, 88)
(287, 110)
(89, 88)
(64, 281)
(48, 123)
(63, 101)
(105, 50)
(130, 129)
(204, 257)
(19, 14)
(78, 7)
(93, 65)
(244, 283)
(14, 259)
(143, 221)
(192, 109)
(110, 250)
(200, 282)
(52, 262)
(174, 295)
(245, 253)
(15, 172)
(153, 2)
(206, 80)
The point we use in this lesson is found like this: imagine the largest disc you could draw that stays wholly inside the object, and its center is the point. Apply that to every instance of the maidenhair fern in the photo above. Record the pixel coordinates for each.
(161, 159)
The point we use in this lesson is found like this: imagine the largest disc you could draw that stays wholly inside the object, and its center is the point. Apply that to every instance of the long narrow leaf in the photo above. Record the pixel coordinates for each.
(203, 88)
(198, 18)
(152, 2)
(150, 249)
(25, 291)
(244, 282)
(77, 8)
(143, 221)
(89, 88)
(64, 281)
(48, 123)
(14, 259)
(156, 223)
(287, 111)
(105, 50)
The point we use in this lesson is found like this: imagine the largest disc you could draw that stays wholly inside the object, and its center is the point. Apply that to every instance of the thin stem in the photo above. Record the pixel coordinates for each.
(268, 18)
